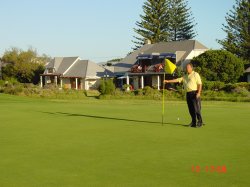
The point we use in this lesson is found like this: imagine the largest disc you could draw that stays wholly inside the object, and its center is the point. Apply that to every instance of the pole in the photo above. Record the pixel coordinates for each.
(163, 100)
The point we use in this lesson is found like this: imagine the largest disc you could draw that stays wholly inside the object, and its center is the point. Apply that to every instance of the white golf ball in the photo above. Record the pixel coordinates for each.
(178, 119)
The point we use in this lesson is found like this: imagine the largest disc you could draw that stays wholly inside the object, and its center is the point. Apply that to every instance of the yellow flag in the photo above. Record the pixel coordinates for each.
(169, 67)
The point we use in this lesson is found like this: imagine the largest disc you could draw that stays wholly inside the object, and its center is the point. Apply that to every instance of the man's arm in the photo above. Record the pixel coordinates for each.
(172, 81)
(199, 89)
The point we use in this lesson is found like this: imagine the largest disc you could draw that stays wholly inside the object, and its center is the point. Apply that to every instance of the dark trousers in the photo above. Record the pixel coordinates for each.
(194, 107)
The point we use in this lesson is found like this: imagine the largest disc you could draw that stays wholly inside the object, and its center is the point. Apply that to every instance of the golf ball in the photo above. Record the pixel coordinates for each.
(178, 119)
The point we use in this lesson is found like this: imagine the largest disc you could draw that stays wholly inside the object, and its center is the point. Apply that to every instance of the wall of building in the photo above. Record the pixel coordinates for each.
(155, 82)
(90, 84)
(66, 83)
(136, 83)
(191, 55)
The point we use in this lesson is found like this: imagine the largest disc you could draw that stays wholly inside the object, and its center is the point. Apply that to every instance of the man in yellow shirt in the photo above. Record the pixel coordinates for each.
(193, 86)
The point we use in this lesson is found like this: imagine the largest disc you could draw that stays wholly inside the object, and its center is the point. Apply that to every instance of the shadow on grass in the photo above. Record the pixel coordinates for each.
(112, 118)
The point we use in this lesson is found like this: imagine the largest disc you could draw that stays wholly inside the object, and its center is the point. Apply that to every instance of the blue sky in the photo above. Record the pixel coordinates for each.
(98, 30)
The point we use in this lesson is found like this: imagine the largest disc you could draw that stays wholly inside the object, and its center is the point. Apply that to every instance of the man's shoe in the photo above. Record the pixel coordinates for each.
(199, 124)
(192, 125)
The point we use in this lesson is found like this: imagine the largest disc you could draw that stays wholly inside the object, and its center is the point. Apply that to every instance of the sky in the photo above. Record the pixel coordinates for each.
(97, 30)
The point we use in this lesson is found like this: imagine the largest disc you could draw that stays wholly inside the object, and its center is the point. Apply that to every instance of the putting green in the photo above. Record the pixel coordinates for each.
(121, 143)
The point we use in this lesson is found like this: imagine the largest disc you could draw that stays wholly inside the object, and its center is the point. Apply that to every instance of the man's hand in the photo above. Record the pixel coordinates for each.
(198, 95)
(171, 81)
(199, 91)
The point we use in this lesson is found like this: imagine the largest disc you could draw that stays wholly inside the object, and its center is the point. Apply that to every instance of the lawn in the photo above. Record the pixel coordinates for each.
(121, 143)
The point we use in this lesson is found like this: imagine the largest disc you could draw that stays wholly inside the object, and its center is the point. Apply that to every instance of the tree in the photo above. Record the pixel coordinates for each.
(107, 87)
(237, 30)
(181, 21)
(154, 23)
(165, 20)
(219, 65)
(25, 66)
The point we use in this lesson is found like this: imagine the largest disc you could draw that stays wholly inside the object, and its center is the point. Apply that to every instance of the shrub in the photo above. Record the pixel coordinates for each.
(139, 92)
(213, 85)
(242, 91)
(125, 87)
(243, 85)
(13, 89)
(219, 65)
(102, 87)
(231, 87)
(148, 90)
(107, 87)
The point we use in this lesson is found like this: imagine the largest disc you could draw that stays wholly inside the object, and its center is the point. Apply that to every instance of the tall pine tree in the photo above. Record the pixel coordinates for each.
(154, 23)
(181, 21)
(165, 20)
(237, 30)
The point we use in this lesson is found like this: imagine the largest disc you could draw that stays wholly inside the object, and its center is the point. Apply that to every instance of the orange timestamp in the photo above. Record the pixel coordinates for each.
(209, 169)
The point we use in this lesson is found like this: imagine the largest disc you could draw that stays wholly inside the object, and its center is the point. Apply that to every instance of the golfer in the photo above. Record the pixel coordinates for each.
(193, 86)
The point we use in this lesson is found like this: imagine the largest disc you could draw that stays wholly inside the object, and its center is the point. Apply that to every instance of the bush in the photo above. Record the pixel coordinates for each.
(213, 85)
(125, 87)
(102, 87)
(219, 65)
(243, 85)
(242, 91)
(147, 90)
(139, 92)
(13, 90)
(231, 87)
(107, 87)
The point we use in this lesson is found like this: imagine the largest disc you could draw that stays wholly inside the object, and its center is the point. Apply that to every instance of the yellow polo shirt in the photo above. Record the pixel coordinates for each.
(190, 81)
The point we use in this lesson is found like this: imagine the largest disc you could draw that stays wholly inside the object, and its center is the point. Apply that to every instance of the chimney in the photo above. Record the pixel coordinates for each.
(147, 42)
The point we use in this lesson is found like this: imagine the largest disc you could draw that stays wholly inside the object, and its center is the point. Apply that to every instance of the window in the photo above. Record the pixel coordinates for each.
(50, 70)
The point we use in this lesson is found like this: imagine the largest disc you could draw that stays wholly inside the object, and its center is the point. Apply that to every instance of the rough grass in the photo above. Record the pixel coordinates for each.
(120, 143)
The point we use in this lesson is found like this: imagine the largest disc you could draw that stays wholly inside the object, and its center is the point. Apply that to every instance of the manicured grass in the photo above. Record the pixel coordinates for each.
(120, 143)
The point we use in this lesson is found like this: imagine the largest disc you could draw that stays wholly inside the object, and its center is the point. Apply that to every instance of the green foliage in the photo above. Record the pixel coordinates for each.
(165, 20)
(242, 91)
(107, 87)
(181, 23)
(139, 92)
(102, 87)
(25, 66)
(213, 85)
(11, 86)
(179, 72)
(237, 30)
(219, 65)
(125, 87)
(148, 90)
(154, 23)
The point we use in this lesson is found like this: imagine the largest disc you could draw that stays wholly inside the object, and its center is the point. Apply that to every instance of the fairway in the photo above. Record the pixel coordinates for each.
(117, 143)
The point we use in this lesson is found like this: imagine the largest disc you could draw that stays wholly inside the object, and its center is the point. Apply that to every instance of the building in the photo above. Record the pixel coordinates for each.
(141, 68)
(73, 73)
(1, 65)
(247, 73)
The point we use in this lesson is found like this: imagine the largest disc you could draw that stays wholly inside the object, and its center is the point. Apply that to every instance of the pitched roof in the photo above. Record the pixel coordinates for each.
(79, 69)
(94, 70)
(61, 64)
(64, 64)
(247, 70)
(181, 48)
(126, 63)
(87, 69)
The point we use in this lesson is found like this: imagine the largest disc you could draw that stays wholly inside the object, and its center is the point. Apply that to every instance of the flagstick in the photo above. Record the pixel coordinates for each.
(163, 99)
